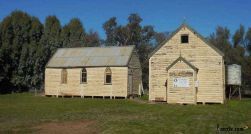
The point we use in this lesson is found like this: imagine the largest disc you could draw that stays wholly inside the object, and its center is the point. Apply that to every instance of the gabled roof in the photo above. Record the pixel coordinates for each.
(91, 57)
(185, 61)
(176, 31)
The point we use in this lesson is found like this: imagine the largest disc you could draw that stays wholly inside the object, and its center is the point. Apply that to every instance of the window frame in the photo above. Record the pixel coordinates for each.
(181, 39)
(64, 77)
(108, 71)
(82, 72)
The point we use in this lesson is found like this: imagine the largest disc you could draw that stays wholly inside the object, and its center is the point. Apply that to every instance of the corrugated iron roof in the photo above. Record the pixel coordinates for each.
(91, 57)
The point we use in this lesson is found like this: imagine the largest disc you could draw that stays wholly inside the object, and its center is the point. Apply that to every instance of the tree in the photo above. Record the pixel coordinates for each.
(50, 39)
(160, 37)
(248, 40)
(21, 34)
(221, 40)
(147, 34)
(110, 28)
(122, 36)
(134, 29)
(238, 36)
(6, 34)
(51, 36)
(0, 36)
(133, 33)
(26, 46)
(35, 57)
(73, 34)
(91, 39)
(27, 70)
(234, 53)
(15, 35)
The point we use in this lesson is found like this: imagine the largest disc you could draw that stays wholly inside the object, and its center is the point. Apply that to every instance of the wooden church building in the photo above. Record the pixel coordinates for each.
(186, 69)
(94, 71)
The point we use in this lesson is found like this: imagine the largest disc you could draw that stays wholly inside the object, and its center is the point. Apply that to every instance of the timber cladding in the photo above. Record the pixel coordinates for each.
(196, 67)
(94, 86)
(181, 93)
(88, 72)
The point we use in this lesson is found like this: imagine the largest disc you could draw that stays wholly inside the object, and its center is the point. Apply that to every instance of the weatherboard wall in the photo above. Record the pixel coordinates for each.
(136, 72)
(181, 94)
(209, 62)
(95, 82)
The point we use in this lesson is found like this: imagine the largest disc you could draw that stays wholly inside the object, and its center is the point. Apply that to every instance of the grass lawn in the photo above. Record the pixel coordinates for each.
(20, 113)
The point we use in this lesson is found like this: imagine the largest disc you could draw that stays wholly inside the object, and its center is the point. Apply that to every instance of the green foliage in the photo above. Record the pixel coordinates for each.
(91, 39)
(26, 45)
(73, 34)
(51, 36)
(134, 30)
(238, 37)
(110, 28)
(235, 51)
(248, 40)
(15, 38)
(221, 39)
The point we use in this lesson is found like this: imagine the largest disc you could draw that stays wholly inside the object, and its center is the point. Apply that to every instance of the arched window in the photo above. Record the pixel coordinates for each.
(108, 76)
(64, 76)
(83, 76)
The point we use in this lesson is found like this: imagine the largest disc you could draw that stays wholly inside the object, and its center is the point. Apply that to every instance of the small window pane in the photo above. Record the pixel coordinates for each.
(64, 76)
(83, 75)
(108, 76)
(84, 79)
(108, 79)
(184, 39)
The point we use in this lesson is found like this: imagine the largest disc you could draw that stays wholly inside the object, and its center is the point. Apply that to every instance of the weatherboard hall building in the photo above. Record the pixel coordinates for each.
(94, 72)
(186, 69)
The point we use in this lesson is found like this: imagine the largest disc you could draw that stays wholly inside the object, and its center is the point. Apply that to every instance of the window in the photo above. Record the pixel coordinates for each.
(83, 77)
(108, 76)
(184, 38)
(64, 76)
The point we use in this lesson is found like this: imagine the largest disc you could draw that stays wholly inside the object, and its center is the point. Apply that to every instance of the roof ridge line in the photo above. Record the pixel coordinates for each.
(96, 47)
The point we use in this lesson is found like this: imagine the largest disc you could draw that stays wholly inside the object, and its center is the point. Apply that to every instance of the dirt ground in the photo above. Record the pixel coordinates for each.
(69, 127)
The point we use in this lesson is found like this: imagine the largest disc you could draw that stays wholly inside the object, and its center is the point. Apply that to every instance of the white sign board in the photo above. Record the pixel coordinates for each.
(180, 82)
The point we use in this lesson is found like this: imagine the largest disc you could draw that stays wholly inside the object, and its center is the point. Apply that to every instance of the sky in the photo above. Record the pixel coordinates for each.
(164, 15)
